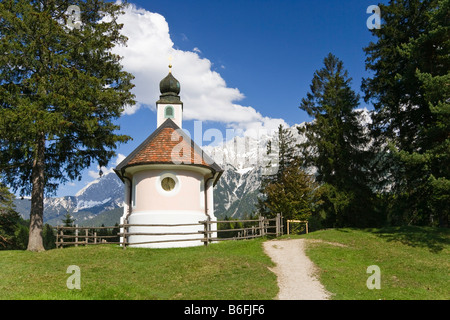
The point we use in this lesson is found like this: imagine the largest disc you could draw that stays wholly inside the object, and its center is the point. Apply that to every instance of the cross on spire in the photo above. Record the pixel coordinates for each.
(170, 64)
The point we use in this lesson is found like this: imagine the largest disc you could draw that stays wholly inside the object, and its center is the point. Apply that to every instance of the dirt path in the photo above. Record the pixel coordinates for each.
(294, 270)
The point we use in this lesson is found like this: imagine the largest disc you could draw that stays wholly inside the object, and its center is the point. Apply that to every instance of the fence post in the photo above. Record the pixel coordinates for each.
(125, 222)
(62, 238)
(86, 239)
(207, 229)
(277, 225)
(57, 237)
(76, 235)
(261, 226)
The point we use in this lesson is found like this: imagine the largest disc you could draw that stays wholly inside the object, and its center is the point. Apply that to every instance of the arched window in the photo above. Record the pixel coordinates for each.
(168, 112)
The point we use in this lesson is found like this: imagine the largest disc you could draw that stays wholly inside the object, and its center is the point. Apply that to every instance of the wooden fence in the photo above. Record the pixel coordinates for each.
(297, 221)
(254, 228)
(74, 236)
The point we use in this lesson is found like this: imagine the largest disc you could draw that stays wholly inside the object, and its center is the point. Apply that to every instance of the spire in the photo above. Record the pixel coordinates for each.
(169, 85)
(169, 88)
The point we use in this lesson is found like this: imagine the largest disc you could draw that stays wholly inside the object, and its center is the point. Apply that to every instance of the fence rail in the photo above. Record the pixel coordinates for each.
(71, 236)
(262, 227)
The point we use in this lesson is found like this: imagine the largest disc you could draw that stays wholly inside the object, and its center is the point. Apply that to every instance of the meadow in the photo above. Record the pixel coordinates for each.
(226, 270)
(413, 262)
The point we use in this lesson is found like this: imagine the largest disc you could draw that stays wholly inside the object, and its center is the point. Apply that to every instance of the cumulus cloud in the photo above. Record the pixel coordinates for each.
(95, 173)
(204, 92)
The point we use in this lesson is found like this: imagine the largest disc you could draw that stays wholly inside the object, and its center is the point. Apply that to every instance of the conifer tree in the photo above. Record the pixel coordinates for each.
(9, 219)
(335, 145)
(289, 190)
(49, 237)
(410, 92)
(61, 88)
(115, 232)
(295, 194)
(283, 151)
(68, 221)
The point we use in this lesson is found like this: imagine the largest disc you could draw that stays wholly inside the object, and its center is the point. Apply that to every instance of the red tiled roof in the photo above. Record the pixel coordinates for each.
(169, 144)
(168, 147)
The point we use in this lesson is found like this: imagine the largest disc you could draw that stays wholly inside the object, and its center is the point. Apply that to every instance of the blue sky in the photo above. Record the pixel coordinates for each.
(242, 64)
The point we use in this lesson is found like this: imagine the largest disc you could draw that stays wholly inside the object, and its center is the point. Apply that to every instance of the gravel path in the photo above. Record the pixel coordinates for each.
(294, 270)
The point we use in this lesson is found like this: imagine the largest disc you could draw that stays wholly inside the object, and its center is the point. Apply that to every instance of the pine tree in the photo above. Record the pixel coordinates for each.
(61, 87)
(282, 153)
(336, 145)
(285, 144)
(295, 194)
(68, 221)
(410, 93)
(115, 232)
(289, 190)
(21, 237)
(9, 219)
(49, 237)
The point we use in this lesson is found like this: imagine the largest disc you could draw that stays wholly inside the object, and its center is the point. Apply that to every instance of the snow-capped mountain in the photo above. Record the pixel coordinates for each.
(247, 153)
(235, 194)
(243, 159)
(103, 194)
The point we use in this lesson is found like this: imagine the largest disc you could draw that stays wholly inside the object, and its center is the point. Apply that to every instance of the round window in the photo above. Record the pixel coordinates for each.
(168, 184)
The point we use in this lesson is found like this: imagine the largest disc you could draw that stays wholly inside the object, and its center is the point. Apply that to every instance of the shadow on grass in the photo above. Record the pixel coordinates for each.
(435, 239)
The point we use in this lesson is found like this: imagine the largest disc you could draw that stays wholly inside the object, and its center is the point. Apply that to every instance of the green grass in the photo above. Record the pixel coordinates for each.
(226, 270)
(414, 262)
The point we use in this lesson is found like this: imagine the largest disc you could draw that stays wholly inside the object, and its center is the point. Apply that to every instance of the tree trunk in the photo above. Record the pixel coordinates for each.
(35, 242)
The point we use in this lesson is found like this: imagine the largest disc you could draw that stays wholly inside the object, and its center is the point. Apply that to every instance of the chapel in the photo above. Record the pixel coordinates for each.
(168, 180)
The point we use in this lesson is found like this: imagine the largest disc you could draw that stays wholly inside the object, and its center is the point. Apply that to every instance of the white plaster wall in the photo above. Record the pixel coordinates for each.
(178, 114)
(153, 205)
(126, 207)
(210, 207)
(166, 217)
(150, 197)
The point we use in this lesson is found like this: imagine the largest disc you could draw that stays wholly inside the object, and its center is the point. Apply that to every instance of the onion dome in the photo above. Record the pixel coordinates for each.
(169, 85)
(170, 89)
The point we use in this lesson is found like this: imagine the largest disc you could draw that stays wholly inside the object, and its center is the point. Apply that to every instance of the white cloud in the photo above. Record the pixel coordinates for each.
(120, 158)
(204, 92)
(95, 173)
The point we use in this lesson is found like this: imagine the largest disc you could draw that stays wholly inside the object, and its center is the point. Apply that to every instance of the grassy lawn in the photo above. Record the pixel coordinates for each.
(226, 270)
(414, 262)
